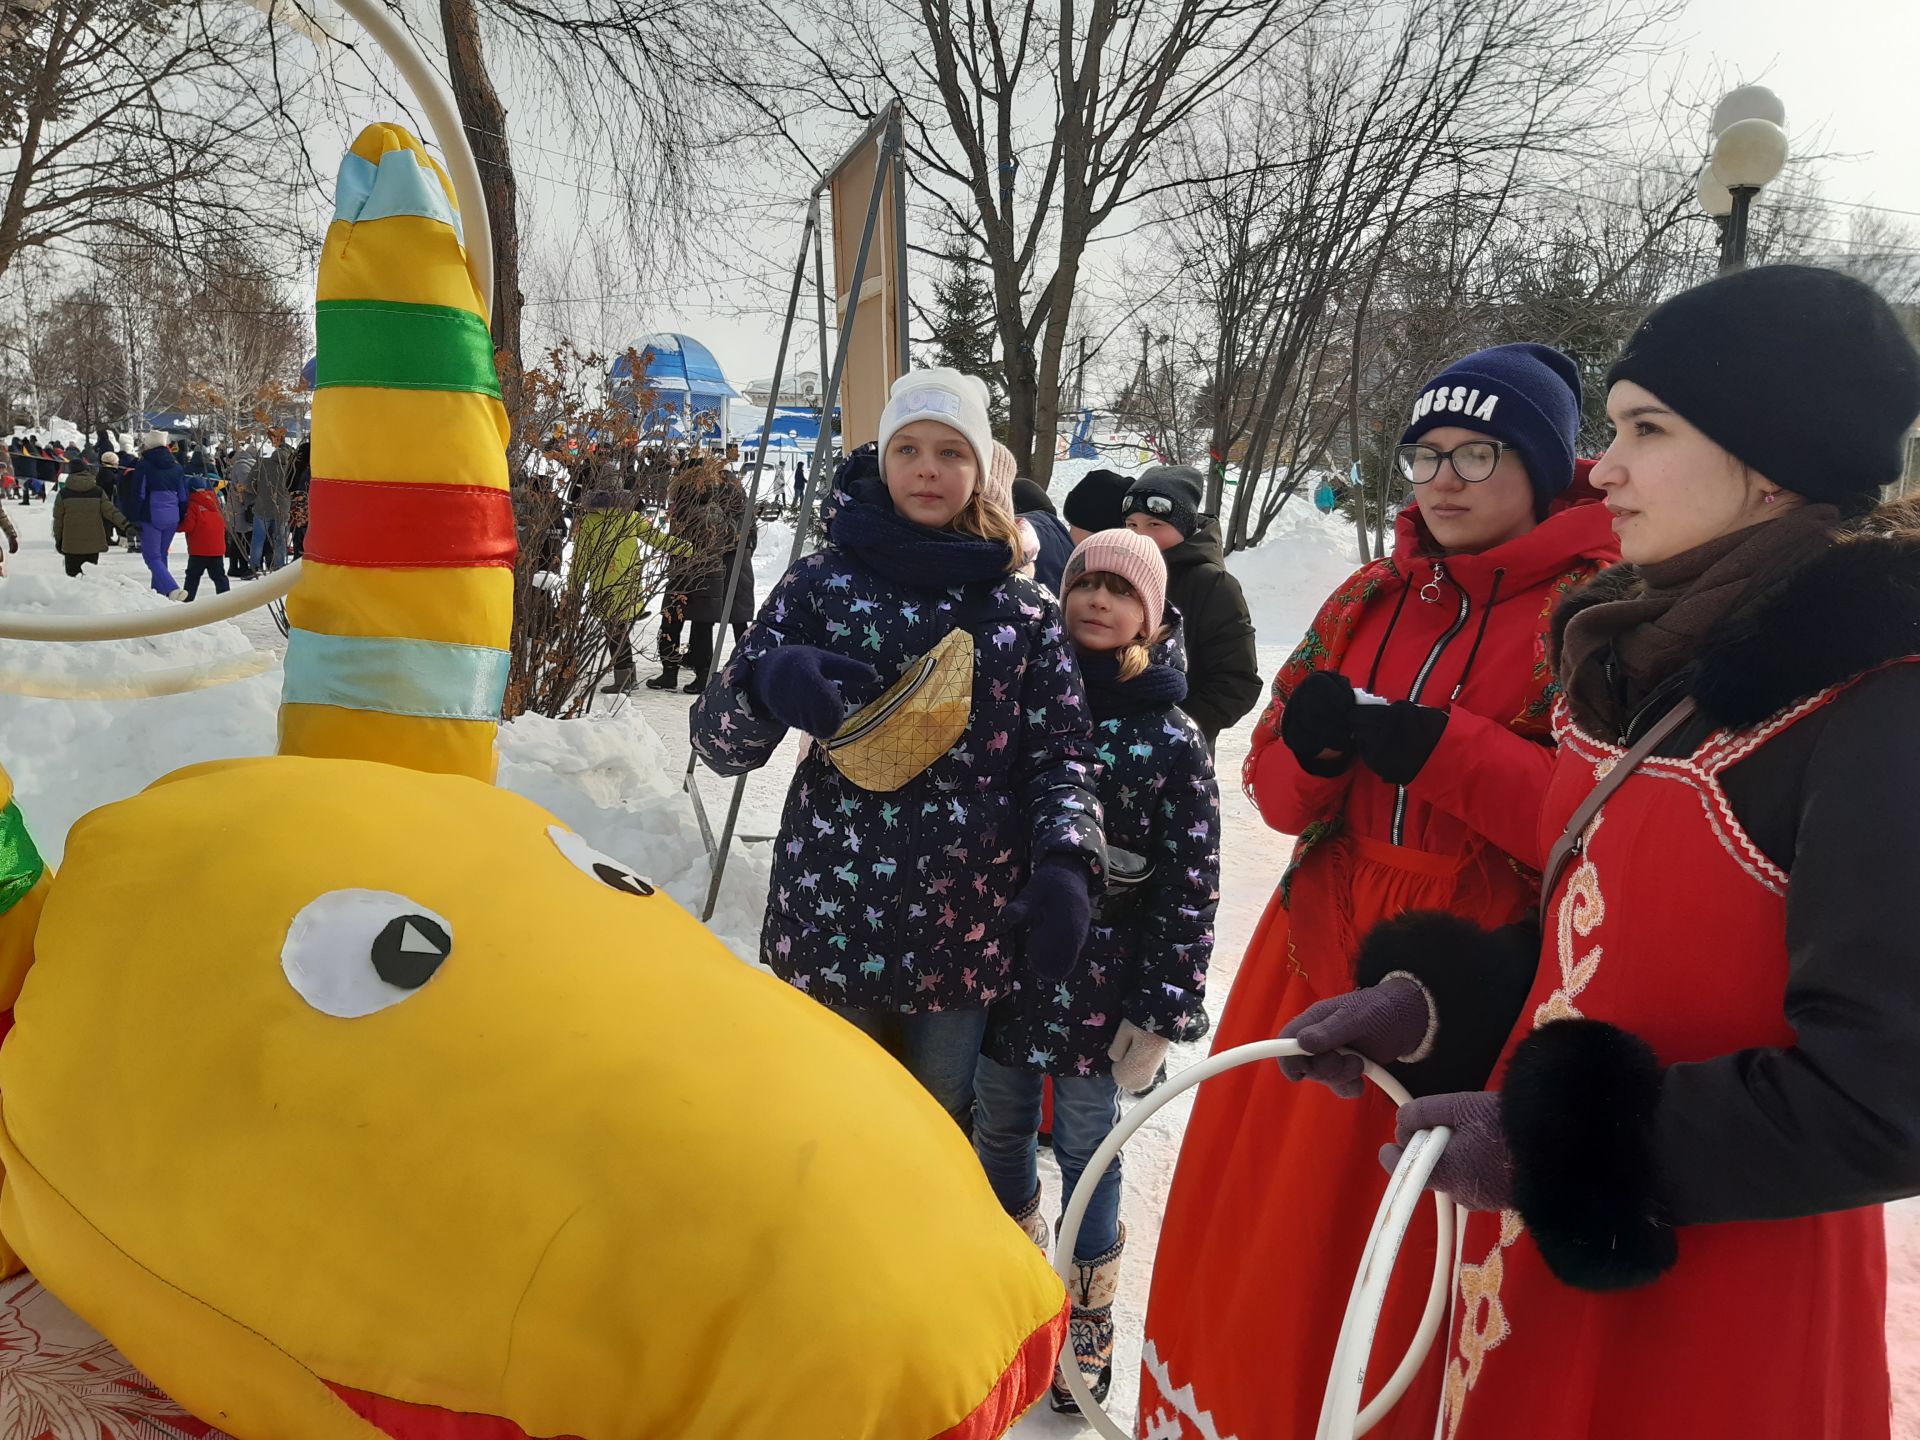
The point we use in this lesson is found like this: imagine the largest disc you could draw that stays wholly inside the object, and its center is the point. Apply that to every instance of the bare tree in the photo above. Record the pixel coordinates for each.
(1344, 140)
(131, 121)
(242, 344)
(1030, 127)
(626, 85)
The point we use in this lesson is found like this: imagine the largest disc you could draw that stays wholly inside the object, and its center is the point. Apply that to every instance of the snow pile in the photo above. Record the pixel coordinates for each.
(609, 778)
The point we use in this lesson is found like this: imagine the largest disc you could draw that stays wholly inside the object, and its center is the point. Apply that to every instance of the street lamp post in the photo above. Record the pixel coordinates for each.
(1749, 152)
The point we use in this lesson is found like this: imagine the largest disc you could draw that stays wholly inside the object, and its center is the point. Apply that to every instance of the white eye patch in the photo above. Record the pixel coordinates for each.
(604, 868)
(353, 952)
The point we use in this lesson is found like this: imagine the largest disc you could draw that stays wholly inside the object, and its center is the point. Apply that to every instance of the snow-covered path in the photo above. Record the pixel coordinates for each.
(617, 782)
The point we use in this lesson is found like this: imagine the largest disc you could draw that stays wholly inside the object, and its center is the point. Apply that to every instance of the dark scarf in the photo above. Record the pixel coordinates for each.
(1616, 655)
(1158, 687)
(911, 554)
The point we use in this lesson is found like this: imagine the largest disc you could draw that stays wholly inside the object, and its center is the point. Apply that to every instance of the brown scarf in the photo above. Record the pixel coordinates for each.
(1614, 654)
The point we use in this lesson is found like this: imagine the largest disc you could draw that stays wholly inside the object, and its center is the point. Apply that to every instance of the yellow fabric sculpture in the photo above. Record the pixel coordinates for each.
(418, 1118)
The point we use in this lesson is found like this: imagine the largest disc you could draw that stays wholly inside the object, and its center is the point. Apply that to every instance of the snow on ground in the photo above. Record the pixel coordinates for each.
(605, 776)
(617, 778)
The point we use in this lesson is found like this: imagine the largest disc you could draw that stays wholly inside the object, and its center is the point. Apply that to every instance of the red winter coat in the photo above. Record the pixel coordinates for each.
(204, 526)
(1278, 1183)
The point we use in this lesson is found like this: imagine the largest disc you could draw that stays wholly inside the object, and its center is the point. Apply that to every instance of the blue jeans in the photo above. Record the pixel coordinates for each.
(1006, 1136)
(938, 1048)
(274, 555)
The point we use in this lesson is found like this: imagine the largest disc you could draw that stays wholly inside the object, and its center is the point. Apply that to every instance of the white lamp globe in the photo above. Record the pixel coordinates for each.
(1715, 198)
(1749, 102)
(1749, 154)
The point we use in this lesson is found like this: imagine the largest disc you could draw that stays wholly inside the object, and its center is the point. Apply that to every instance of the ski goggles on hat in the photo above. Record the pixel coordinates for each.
(1153, 504)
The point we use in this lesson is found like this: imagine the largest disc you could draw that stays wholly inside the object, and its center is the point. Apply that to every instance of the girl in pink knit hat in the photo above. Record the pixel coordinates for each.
(1105, 1026)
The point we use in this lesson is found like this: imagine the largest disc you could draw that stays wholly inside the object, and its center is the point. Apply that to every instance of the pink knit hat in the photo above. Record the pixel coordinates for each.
(997, 488)
(1131, 556)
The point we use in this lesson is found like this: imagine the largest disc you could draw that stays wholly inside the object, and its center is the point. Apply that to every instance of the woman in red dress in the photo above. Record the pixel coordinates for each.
(1238, 1337)
(1709, 1084)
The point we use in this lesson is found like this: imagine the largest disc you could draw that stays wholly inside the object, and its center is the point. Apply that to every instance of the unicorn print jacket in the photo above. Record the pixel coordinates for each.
(892, 901)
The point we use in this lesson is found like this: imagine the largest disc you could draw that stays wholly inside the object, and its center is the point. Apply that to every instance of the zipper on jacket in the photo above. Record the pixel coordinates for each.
(927, 664)
(1426, 673)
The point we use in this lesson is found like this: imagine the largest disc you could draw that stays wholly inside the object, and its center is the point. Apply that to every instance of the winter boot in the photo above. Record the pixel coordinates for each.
(620, 683)
(695, 686)
(1090, 1327)
(1029, 1219)
(667, 679)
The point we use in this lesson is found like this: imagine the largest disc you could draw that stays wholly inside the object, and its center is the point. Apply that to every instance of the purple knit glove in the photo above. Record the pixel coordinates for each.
(1476, 1168)
(1055, 910)
(798, 686)
(1385, 1022)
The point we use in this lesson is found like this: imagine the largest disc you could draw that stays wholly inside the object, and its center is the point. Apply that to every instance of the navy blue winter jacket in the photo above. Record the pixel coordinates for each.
(1152, 938)
(157, 470)
(893, 901)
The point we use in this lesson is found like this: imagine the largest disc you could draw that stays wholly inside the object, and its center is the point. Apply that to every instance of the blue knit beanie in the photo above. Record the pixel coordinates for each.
(1526, 395)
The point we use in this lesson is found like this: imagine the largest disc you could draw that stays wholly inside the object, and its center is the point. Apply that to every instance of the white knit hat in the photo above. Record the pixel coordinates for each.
(154, 440)
(1131, 556)
(953, 399)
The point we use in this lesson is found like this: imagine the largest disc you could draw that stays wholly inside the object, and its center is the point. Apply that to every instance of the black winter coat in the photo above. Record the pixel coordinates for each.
(715, 521)
(893, 901)
(1152, 937)
(1223, 669)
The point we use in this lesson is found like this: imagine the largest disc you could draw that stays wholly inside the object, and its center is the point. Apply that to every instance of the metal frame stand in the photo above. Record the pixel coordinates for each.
(889, 169)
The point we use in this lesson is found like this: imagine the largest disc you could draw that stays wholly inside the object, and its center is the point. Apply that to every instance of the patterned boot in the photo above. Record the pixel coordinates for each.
(1029, 1219)
(1090, 1327)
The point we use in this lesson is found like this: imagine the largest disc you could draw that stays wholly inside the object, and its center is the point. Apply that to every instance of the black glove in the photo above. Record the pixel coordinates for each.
(1319, 717)
(1055, 911)
(799, 685)
(1396, 740)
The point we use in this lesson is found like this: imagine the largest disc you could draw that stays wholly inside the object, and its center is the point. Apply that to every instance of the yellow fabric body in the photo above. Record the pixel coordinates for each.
(403, 437)
(595, 1176)
(461, 607)
(409, 437)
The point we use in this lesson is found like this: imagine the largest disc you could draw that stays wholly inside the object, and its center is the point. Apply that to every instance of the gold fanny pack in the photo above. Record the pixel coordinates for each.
(919, 718)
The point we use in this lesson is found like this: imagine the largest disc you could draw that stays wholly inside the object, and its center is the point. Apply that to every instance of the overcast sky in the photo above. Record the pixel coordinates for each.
(1846, 69)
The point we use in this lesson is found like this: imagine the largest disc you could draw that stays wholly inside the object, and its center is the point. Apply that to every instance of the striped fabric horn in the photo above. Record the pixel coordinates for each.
(400, 622)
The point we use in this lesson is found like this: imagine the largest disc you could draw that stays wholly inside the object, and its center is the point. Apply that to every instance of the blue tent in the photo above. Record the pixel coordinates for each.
(684, 377)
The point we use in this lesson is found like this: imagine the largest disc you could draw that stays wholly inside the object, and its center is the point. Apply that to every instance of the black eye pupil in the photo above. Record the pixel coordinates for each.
(624, 881)
(409, 949)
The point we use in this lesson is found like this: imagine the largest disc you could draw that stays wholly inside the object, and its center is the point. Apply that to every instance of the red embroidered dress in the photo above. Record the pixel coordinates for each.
(1672, 924)
(1277, 1183)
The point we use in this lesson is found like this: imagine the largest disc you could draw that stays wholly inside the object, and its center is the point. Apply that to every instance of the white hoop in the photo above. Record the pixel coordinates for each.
(1341, 1415)
(138, 624)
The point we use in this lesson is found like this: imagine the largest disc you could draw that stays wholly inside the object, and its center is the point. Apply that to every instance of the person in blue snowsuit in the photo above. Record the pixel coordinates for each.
(157, 500)
(1105, 1027)
(910, 911)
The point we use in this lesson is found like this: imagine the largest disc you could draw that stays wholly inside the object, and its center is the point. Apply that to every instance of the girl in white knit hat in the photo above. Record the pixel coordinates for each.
(932, 851)
(1106, 1026)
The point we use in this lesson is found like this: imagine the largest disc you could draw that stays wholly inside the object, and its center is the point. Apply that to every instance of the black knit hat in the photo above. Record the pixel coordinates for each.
(1028, 496)
(1094, 504)
(1801, 373)
(1173, 493)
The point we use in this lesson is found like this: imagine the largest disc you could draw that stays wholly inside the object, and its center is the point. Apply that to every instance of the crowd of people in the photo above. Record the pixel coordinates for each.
(1603, 787)
(242, 511)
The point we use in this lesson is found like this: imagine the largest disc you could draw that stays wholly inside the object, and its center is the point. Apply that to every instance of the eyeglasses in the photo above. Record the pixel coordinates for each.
(1472, 462)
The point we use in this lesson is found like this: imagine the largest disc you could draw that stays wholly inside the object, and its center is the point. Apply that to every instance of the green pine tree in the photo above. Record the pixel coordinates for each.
(964, 330)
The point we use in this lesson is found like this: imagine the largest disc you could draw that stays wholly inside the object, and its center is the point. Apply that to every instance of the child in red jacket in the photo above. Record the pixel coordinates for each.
(206, 531)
